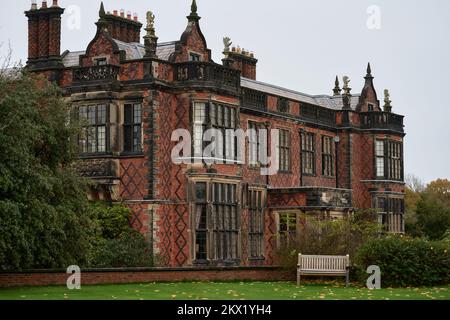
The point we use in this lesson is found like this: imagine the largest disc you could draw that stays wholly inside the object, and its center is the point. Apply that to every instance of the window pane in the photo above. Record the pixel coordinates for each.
(199, 113)
(137, 138)
(213, 113)
(233, 118)
(91, 115)
(101, 139)
(101, 114)
(380, 148)
(92, 137)
(128, 114)
(200, 191)
(380, 167)
(137, 114)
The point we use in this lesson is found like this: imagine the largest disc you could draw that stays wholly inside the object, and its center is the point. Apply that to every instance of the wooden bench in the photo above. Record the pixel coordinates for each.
(313, 265)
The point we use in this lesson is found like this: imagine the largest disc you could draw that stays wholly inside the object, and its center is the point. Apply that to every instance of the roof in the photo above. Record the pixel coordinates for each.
(71, 59)
(136, 50)
(133, 51)
(331, 102)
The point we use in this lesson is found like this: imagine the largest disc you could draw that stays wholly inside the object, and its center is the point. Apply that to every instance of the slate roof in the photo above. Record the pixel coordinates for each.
(133, 51)
(164, 50)
(331, 102)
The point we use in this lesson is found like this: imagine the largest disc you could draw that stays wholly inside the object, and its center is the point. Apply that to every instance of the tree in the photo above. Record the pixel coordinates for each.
(440, 189)
(44, 216)
(414, 183)
(433, 217)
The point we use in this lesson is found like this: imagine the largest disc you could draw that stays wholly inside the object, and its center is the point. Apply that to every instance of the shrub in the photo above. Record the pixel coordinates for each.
(406, 262)
(116, 243)
(129, 250)
(326, 237)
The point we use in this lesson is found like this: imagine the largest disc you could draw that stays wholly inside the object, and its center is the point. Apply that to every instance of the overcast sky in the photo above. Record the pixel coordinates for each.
(303, 45)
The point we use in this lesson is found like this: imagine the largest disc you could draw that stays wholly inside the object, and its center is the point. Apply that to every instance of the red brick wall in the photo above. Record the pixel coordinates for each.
(136, 276)
(43, 36)
(33, 38)
(100, 46)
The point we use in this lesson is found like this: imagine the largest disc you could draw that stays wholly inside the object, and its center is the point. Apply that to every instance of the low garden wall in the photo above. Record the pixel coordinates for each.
(138, 275)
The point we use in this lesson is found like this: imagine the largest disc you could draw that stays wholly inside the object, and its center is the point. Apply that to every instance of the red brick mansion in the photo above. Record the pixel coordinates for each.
(336, 153)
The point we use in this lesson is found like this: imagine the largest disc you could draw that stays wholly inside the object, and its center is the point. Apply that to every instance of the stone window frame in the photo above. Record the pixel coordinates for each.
(192, 54)
(256, 203)
(284, 150)
(388, 159)
(309, 153)
(104, 58)
(253, 143)
(96, 124)
(388, 207)
(211, 250)
(328, 157)
(133, 125)
(285, 235)
(209, 121)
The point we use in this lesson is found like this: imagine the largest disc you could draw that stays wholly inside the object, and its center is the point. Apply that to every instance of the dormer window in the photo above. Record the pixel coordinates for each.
(101, 62)
(194, 56)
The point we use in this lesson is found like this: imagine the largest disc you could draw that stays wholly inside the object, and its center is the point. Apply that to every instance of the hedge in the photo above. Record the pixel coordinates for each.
(406, 262)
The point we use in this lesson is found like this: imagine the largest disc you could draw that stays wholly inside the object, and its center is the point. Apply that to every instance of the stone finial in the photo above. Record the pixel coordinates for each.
(346, 81)
(194, 7)
(387, 101)
(369, 70)
(193, 16)
(227, 44)
(337, 90)
(101, 12)
(150, 39)
(150, 24)
(346, 96)
(102, 23)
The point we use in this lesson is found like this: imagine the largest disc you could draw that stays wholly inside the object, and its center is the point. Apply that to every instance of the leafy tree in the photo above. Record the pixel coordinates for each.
(43, 220)
(433, 217)
(46, 220)
(440, 189)
(412, 198)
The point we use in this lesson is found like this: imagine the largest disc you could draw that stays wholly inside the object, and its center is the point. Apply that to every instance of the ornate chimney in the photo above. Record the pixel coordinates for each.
(44, 35)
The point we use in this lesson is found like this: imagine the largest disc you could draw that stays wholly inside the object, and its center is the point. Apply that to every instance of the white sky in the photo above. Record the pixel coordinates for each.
(303, 45)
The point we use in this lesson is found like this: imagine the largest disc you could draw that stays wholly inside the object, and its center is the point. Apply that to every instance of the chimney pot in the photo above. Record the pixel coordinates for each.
(115, 12)
(135, 16)
(122, 13)
(128, 14)
(44, 5)
(33, 5)
(55, 3)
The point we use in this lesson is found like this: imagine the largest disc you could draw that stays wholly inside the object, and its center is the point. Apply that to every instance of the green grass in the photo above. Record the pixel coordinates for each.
(223, 291)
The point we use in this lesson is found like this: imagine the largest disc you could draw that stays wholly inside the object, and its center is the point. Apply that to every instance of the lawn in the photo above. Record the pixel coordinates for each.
(223, 291)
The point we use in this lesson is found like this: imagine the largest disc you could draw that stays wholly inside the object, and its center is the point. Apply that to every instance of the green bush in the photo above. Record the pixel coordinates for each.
(115, 243)
(406, 262)
(129, 250)
(329, 237)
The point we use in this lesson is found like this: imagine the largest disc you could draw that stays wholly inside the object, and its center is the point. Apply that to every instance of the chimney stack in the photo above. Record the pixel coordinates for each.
(123, 27)
(241, 60)
(44, 35)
